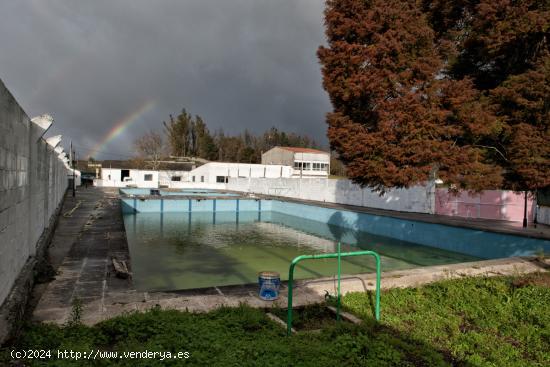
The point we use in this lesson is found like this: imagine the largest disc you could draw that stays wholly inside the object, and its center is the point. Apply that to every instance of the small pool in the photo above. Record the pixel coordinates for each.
(195, 243)
(176, 192)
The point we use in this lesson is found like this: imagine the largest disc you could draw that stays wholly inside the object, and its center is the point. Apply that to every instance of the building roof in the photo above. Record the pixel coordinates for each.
(303, 150)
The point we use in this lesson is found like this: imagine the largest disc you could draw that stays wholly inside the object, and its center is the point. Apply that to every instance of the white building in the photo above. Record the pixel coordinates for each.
(304, 161)
(118, 177)
(220, 172)
(116, 173)
(213, 175)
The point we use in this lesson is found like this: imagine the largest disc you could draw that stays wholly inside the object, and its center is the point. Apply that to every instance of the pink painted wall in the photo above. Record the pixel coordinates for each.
(490, 204)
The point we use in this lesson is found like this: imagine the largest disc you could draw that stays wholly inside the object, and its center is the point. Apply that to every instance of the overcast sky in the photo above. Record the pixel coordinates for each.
(237, 63)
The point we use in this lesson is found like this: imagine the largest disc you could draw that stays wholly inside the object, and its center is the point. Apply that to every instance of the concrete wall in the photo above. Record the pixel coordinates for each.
(32, 184)
(197, 185)
(165, 178)
(278, 156)
(207, 173)
(543, 215)
(418, 199)
(490, 204)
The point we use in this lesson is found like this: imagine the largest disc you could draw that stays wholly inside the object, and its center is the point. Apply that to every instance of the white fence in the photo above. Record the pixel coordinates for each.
(418, 199)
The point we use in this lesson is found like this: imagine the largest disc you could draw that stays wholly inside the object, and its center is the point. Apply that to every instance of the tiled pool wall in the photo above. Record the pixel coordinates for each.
(473, 242)
(168, 205)
(468, 241)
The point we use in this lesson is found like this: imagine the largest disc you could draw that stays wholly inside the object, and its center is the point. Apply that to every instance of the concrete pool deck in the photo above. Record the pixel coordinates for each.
(93, 233)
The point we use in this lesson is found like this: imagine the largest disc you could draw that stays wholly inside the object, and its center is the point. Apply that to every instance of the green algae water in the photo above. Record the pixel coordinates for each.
(177, 251)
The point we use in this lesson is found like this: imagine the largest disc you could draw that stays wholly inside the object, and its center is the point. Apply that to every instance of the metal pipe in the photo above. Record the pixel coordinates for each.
(297, 259)
(525, 211)
(338, 291)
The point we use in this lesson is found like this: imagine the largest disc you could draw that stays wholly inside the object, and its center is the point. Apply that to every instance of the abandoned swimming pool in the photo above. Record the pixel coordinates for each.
(189, 243)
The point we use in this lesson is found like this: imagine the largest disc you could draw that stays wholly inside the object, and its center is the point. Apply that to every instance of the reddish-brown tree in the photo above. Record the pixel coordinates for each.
(453, 89)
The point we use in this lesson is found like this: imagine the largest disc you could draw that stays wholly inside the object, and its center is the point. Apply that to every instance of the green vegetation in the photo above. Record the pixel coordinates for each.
(190, 136)
(467, 322)
(477, 321)
(312, 317)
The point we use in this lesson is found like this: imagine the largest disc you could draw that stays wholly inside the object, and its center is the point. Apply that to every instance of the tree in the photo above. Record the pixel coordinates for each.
(190, 136)
(205, 146)
(178, 131)
(150, 148)
(505, 51)
(453, 89)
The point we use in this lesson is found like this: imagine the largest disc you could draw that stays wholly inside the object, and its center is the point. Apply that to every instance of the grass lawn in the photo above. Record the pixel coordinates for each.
(502, 321)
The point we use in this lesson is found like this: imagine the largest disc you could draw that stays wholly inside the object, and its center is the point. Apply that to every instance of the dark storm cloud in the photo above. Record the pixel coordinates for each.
(238, 63)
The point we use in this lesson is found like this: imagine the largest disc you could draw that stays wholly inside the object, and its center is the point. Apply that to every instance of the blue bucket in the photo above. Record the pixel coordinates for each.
(269, 282)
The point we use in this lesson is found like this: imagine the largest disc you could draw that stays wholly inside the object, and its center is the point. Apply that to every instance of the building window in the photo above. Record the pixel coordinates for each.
(193, 178)
(109, 177)
(176, 178)
(297, 165)
(202, 178)
(148, 177)
(307, 166)
(221, 179)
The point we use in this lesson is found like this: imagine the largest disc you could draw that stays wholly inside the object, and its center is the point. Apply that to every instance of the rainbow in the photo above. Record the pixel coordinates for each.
(121, 125)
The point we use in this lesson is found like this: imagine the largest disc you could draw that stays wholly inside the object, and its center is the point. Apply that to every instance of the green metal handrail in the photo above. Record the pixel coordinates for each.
(337, 255)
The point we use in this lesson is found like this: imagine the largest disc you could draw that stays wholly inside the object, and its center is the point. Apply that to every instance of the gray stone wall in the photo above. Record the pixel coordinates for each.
(32, 184)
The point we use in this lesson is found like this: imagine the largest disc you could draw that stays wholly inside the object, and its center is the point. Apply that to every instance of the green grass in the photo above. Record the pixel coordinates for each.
(477, 321)
(501, 321)
(312, 317)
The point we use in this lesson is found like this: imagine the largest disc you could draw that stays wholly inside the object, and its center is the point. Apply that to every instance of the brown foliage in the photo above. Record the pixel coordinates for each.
(434, 88)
